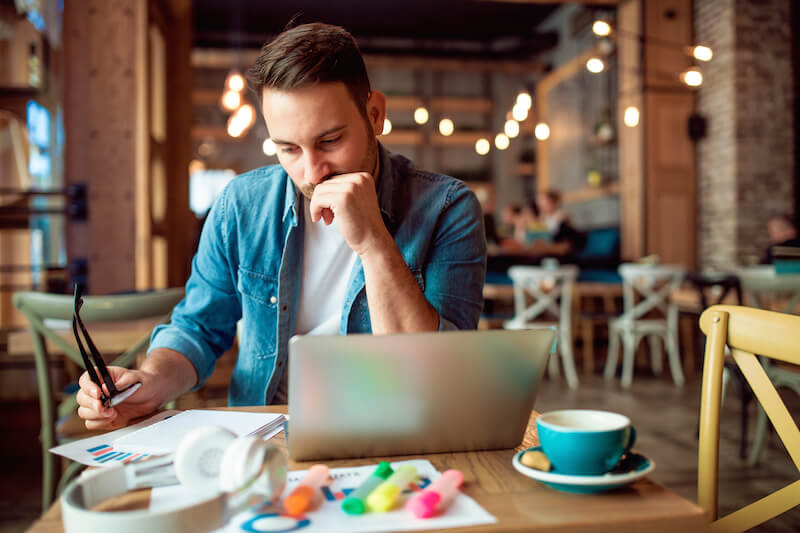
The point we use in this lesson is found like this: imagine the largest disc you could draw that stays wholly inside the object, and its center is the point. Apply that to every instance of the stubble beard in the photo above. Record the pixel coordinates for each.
(368, 164)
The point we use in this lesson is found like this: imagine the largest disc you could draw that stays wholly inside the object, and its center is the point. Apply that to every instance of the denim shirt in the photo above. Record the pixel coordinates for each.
(249, 265)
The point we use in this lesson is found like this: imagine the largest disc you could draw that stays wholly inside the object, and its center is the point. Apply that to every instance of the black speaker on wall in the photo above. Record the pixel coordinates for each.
(698, 126)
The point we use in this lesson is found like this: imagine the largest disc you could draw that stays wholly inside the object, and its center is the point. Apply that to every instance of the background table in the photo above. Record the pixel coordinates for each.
(518, 502)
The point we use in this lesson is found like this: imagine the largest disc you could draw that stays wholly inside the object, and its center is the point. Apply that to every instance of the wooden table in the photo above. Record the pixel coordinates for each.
(518, 502)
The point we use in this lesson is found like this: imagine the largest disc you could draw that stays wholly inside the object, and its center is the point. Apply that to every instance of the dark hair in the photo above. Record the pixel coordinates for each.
(310, 54)
(554, 196)
(784, 218)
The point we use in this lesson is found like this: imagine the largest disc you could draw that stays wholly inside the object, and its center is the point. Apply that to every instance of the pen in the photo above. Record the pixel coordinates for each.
(437, 496)
(303, 496)
(355, 503)
(383, 497)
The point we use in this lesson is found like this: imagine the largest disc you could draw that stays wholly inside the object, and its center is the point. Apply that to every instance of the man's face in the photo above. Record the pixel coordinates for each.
(319, 132)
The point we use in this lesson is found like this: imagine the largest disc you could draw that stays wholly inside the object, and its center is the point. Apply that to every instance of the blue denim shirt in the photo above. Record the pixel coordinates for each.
(249, 266)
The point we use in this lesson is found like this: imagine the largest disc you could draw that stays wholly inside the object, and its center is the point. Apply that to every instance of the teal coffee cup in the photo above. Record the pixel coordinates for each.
(584, 442)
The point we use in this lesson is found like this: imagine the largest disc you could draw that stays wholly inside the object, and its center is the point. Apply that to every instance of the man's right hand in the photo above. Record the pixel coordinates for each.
(144, 401)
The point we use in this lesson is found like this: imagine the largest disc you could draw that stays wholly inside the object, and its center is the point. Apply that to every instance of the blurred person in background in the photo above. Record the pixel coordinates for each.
(782, 232)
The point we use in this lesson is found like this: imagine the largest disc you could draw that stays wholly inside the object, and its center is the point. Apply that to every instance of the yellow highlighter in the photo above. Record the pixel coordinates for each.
(383, 497)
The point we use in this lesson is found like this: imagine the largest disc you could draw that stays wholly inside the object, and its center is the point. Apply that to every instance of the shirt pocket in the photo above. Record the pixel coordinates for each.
(259, 313)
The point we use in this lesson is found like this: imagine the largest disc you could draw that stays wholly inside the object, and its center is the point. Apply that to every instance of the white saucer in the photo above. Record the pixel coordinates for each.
(634, 466)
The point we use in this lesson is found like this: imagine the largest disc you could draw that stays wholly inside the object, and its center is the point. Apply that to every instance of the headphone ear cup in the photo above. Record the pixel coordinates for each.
(241, 461)
(199, 457)
(253, 470)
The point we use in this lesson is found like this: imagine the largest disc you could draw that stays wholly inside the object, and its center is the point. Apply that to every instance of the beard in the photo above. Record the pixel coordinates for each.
(368, 164)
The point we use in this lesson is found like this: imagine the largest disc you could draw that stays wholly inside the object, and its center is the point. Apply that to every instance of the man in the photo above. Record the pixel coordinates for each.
(782, 232)
(342, 237)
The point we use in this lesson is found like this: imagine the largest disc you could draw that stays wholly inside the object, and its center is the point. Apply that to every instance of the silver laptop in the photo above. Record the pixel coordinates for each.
(378, 395)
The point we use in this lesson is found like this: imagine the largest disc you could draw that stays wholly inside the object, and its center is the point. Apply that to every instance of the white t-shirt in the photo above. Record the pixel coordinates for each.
(327, 264)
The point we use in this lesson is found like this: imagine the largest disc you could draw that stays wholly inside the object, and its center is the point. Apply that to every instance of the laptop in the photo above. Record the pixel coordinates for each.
(412, 393)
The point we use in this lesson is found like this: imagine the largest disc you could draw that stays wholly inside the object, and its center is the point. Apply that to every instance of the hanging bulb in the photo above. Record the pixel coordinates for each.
(702, 53)
(235, 81)
(631, 116)
(269, 147)
(542, 131)
(524, 100)
(601, 28)
(595, 65)
(446, 127)
(421, 115)
(501, 141)
(482, 146)
(692, 77)
(511, 128)
(231, 100)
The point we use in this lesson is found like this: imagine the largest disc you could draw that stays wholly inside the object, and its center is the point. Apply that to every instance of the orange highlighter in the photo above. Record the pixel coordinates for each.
(303, 497)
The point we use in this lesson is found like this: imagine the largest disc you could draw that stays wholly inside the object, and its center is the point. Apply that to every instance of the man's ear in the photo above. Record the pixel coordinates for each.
(376, 111)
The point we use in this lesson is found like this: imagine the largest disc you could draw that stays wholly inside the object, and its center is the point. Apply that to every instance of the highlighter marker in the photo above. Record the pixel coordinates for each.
(383, 497)
(437, 496)
(302, 497)
(355, 503)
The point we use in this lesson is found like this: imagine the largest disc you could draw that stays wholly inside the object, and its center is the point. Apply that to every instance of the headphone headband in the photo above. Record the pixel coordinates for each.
(94, 487)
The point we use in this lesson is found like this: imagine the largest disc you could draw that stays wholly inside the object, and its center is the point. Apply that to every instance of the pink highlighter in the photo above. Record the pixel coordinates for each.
(437, 497)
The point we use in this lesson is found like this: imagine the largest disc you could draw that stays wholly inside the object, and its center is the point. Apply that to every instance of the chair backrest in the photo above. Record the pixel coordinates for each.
(538, 290)
(762, 282)
(39, 307)
(746, 331)
(652, 286)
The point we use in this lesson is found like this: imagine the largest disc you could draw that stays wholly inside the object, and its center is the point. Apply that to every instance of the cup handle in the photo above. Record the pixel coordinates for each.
(631, 440)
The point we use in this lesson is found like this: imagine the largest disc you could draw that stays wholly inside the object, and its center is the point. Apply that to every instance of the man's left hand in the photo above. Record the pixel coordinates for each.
(352, 201)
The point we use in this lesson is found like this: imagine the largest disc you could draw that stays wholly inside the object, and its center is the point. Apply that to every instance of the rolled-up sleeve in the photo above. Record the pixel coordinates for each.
(456, 269)
(203, 324)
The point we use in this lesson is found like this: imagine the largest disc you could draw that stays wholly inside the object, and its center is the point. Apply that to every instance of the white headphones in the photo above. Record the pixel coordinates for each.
(210, 461)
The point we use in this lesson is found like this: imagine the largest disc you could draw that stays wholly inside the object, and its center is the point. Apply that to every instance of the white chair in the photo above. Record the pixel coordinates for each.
(764, 289)
(538, 291)
(653, 285)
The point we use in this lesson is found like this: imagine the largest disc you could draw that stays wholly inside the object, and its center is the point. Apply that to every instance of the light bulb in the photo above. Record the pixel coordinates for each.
(446, 127)
(235, 82)
(231, 100)
(524, 99)
(631, 116)
(511, 128)
(601, 28)
(519, 112)
(241, 120)
(595, 65)
(421, 115)
(482, 146)
(269, 147)
(702, 53)
(692, 77)
(387, 127)
(542, 131)
(501, 141)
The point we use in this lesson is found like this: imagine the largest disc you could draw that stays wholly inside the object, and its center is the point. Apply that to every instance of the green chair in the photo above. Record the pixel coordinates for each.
(763, 288)
(41, 309)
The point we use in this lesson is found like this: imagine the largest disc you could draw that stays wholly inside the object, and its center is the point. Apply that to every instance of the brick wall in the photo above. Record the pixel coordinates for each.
(746, 162)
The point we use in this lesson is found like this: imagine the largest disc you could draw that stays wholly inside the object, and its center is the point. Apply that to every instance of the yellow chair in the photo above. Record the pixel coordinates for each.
(746, 331)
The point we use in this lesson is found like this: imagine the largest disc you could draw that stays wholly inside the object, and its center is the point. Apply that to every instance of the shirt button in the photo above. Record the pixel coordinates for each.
(273, 300)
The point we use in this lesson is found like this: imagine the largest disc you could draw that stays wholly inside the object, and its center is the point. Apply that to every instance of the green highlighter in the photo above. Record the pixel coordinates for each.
(355, 502)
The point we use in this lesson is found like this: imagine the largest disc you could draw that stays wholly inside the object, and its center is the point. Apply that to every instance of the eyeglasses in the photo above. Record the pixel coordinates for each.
(93, 361)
